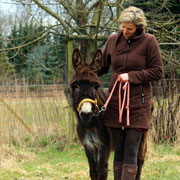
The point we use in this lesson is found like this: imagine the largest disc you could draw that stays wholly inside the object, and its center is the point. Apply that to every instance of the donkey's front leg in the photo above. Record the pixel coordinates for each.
(92, 160)
(102, 167)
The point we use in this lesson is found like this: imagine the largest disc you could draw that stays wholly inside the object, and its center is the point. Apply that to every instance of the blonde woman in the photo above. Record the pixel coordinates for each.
(135, 57)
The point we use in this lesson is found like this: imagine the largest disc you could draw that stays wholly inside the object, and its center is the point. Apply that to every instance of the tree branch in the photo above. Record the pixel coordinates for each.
(56, 16)
(23, 45)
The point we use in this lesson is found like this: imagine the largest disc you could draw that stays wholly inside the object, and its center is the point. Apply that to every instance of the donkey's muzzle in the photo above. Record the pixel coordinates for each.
(85, 116)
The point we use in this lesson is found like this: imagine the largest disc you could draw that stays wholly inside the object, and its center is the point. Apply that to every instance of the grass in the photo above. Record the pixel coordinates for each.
(61, 162)
(163, 164)
(44, 116)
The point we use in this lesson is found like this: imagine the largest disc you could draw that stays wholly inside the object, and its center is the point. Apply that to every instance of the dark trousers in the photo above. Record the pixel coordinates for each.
(126, 145)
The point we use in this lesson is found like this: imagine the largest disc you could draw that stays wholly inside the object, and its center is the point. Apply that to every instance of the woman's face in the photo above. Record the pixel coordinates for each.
(128, 29)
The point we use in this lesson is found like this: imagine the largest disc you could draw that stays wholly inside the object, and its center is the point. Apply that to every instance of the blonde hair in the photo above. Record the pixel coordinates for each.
(134, 15)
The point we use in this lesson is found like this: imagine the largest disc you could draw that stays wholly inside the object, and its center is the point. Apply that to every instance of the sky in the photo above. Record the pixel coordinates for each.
(7, 6)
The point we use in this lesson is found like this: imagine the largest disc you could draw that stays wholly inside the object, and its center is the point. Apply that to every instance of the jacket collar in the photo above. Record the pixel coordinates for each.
(124, 46)
(139, 34)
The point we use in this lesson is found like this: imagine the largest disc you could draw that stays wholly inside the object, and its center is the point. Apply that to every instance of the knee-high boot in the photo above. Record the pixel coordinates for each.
(117, 167)
(129, 172)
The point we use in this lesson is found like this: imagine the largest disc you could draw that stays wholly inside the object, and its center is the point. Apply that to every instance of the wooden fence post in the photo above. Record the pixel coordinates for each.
(69, 74)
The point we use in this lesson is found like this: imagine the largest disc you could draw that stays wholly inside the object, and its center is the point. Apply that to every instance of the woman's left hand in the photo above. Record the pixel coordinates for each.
(124, 77)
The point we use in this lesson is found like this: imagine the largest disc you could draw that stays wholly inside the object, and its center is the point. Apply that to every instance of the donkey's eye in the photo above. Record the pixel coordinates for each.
(76, 88)
(95, 88)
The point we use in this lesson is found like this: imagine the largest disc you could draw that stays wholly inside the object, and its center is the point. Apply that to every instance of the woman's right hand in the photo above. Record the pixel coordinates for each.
(123, 77)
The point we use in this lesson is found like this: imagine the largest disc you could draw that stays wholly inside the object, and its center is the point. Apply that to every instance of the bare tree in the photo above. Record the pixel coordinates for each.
(90, 20)
(81, 19)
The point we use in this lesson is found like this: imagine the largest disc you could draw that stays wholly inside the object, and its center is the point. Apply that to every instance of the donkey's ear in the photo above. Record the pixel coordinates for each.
(96, 62)
(77, 59)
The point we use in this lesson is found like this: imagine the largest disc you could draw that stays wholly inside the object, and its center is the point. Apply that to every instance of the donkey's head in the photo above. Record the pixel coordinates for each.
(84, 85)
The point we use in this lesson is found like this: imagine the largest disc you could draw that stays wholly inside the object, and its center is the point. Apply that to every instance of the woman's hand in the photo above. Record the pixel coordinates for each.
(124, 77)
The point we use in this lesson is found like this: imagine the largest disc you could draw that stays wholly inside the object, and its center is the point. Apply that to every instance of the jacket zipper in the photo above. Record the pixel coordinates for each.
(127, 62)
(128, 41)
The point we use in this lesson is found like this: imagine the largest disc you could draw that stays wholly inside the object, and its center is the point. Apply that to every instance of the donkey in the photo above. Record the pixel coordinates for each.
(93, 135)
(87, 99)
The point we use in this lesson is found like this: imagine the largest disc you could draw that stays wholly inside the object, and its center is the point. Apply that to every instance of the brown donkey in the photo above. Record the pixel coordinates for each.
(88, 100)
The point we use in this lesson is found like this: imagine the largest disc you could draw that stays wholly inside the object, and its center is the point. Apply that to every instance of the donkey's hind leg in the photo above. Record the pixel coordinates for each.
(139, 170)
(141, 155)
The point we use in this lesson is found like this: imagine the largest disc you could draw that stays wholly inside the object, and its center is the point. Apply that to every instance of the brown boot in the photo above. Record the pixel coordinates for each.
(129, 172)
(117, 166)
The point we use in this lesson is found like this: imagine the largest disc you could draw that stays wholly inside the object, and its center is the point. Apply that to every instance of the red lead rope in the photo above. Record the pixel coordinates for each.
(126, 89)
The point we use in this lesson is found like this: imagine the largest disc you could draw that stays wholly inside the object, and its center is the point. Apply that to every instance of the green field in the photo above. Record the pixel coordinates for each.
(61, 162)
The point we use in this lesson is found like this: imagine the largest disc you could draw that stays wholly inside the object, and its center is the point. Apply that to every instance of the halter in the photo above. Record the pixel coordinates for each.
(95, 102)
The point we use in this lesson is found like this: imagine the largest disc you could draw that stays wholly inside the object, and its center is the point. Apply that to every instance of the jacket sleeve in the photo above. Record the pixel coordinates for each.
(154, 70)
(106, 61)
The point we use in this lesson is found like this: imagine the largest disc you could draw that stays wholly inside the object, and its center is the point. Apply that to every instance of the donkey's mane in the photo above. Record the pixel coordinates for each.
(85, 73)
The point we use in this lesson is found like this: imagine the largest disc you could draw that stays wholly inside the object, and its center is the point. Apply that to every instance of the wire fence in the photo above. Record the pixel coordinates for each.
(24, 90)
(45, 110)
(39, 109)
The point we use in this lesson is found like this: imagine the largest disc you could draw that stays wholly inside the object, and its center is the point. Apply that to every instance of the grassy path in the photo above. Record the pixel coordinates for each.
(69, 163)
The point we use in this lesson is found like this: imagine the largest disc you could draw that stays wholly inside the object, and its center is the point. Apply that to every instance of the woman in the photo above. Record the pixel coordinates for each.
(135, 57)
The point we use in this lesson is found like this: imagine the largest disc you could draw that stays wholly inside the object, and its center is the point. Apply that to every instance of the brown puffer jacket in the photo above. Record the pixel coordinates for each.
(140, 57)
